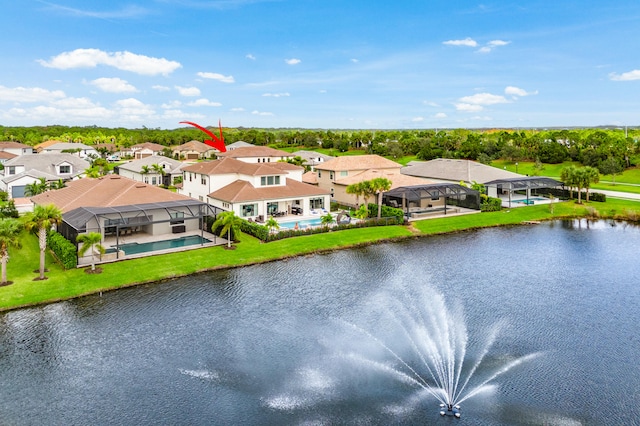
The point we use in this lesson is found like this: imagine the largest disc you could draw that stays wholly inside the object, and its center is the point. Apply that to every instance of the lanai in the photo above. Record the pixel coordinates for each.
(420, 201)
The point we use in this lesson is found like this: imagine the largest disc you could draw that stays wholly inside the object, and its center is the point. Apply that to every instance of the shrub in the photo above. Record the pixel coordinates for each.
(490, 204)
(64, 250)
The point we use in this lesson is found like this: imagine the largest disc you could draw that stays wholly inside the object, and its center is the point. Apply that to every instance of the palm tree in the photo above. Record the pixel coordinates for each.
(568, 176)
(272, 224)
(356, 189)
(58, 184)
(35, 188)
(327, 220)
(9, 237)
(90, 241)
(380, 185)
(590, 175)
(230, 223)
(43, 218)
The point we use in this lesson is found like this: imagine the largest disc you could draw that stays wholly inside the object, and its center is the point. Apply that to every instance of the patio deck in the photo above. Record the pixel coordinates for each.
(141, 238)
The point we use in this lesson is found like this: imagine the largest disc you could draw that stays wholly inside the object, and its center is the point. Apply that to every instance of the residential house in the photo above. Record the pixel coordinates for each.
(125, 211)
(78, 149)
(257, 154)
(27, 169)
(312, 158)
(4, 156)
(253, 190)
(456, 171)
(39, 147)
(336, 174)
(15, 148)
(154, 170)
(238, 144)
(142, 150)
(194, 150)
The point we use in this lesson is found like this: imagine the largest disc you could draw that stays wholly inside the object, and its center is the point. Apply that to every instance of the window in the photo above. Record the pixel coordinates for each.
(316, 203)
(154, 181)
(272, 208)
(249, 210)
(176, 217)
(203, 179)
(319, 174)
(344, 173)
(65, 169)
(12, 170)
(331, 175)
(269, 180)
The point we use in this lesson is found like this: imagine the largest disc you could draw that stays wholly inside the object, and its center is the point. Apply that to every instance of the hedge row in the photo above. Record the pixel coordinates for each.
(64, 250)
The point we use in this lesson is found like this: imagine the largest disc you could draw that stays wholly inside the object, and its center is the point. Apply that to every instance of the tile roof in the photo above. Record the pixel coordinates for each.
(456, 170)
(358, 162)
(395, 177)
(231, 165)
(254, 151)
(194, 146)
(12, 145)
(148, 145)
(137, 165)
(107, 191)
(242, 191)
(47, 162)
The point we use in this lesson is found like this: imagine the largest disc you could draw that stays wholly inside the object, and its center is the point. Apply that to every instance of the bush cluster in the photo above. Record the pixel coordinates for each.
(490, 204)
(64, 250)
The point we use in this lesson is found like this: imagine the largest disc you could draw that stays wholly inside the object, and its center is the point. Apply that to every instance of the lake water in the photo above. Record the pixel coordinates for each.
(277, 343)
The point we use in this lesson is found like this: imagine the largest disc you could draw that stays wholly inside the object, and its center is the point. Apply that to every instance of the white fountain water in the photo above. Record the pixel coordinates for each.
(429, 348)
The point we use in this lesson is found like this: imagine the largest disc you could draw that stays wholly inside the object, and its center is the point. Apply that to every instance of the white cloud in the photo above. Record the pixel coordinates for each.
(28, 94)
(292, 61)
(417, 119)
(204, 102)
(276, 95)
(354, 60)
(625, 76)
(469, 42)
(126, 61)
(161, 88)
(216, 76)
(134, 109)
(171, 105)
(440, 115)
(250, 56)
(261, 113)
(496, 43)
(516, 91)
(237, 109)
(431, 104)
(464, 107)
(113, 85)
(188, 91)
(493, 44)
(484, 99)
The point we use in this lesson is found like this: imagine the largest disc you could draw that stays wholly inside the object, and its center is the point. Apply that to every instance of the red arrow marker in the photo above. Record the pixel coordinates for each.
(216, 142)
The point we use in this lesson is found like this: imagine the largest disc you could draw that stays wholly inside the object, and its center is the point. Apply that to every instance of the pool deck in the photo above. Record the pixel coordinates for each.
(142, 237)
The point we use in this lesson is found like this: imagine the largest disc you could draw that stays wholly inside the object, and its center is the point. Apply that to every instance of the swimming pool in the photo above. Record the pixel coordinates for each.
(137, 248)
(301, 223)
(531, 200)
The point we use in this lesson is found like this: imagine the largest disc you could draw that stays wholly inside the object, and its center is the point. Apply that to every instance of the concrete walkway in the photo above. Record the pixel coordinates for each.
(618, 194)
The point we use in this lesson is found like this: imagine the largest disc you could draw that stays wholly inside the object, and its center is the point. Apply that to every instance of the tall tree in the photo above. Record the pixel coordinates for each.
(380, 185)
(42, 219)
(568, 176)
(589, 175)
(9, 237)
(91, 241)
(230, 224)
(611, 166)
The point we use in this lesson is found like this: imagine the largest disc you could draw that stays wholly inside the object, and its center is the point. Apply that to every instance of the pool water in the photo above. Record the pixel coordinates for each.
(301, 223)
(136, 248)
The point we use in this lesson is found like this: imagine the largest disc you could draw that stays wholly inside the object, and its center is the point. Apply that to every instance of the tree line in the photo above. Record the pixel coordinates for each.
(603, 148)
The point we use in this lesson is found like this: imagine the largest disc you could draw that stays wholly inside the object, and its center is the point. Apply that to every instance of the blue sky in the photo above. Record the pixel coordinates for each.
(332, 64)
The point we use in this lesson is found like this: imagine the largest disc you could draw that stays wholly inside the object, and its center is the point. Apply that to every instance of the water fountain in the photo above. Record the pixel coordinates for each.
(426, 346)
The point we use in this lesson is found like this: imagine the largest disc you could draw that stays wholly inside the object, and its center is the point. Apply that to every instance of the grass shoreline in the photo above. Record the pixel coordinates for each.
(62, 285)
